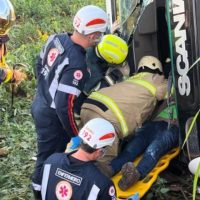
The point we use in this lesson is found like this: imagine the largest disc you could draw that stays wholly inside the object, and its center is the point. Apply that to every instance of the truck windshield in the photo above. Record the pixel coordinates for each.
(129, 11)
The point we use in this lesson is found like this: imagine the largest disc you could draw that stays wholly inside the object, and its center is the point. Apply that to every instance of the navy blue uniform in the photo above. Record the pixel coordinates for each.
(65, 177)
(98, 68)
(61, 73)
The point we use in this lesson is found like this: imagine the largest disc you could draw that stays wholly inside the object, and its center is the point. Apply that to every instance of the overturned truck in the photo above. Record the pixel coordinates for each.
(169, 30)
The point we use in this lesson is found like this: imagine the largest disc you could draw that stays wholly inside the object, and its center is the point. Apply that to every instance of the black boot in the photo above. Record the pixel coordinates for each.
(37, 195)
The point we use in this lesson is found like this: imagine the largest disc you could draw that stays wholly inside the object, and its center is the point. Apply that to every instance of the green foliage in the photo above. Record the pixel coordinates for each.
(158, 190)
(195, 182)
(17, 132)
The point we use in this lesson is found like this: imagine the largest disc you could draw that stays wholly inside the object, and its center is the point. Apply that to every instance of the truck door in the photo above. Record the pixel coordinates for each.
(184, 36)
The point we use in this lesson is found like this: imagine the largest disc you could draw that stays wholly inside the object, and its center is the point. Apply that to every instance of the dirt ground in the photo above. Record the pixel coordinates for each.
(175, 183)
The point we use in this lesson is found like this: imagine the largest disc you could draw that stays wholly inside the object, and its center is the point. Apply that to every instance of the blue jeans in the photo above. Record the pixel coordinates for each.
(154, 140)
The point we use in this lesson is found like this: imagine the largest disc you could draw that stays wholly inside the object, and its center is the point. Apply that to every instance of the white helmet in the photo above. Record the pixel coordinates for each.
(90, 19)
(98, 133)
(150, 62)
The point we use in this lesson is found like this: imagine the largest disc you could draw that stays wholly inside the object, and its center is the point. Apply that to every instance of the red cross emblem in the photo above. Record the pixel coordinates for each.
(78, 74)
(63, 190)
(52, 55)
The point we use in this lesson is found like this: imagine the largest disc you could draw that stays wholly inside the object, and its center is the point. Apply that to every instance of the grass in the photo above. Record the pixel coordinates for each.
(17, 132)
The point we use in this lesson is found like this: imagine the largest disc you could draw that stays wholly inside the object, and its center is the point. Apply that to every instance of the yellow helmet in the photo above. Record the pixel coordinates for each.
(112, 49)
(7, 16)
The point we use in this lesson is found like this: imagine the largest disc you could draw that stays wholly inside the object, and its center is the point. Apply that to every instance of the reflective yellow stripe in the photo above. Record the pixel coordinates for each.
(143, 83)
(114, 108)
(9, 75)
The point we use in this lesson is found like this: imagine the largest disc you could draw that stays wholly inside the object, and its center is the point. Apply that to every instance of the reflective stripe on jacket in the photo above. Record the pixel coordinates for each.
(134, 101)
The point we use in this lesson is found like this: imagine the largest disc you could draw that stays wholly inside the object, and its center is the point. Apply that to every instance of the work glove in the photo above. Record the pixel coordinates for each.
(73, 144)
(18, 76)
(114, 76)
(8, 75)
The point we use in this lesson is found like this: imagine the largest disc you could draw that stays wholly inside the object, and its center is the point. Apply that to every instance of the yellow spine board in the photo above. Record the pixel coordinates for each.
(144, 185)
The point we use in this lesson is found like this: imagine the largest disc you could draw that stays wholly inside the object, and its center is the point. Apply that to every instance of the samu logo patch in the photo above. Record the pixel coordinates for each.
(52, 55)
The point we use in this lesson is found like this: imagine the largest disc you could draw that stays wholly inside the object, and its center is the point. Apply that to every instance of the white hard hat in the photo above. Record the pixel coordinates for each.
(98, 133)
(7, 16)
(90, 19)
(193, 165)
(150, 62)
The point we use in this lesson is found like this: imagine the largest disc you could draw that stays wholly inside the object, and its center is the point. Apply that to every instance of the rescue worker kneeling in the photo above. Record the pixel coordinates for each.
(129, 103)
(74, 176)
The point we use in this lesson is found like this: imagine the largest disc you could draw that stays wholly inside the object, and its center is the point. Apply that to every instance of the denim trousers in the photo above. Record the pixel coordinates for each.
(153, 140)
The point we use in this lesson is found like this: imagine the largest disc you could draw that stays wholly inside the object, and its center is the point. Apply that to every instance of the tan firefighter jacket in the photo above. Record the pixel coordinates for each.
(127, 104)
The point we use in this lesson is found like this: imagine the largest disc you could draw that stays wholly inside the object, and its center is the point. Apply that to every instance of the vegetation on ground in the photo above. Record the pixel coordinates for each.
(36, 20)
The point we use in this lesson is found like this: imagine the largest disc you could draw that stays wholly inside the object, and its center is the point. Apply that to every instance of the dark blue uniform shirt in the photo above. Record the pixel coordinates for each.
(65, 177)
(61, 73)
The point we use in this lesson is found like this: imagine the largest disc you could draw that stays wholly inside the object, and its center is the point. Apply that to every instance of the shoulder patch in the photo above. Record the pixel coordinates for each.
(59, 46)
(52, 55)
(78, 74)
(63, 190)
(111, 191)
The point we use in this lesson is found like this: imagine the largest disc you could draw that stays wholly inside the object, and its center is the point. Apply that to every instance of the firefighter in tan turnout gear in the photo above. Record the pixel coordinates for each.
(129, 103)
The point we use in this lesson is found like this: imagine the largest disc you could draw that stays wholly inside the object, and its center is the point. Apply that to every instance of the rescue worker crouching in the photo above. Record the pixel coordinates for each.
(129, 103)
(107, 67)
(74, 176)
(61, 74)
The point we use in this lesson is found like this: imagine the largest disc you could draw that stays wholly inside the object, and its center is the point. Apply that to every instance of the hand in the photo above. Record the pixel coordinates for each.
(18, 76)
(73, 144)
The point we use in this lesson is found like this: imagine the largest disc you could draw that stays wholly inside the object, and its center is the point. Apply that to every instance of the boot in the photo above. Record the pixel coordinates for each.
(130, 175)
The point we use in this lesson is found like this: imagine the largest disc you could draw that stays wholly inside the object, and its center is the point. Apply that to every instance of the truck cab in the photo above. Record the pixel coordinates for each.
(170, 31)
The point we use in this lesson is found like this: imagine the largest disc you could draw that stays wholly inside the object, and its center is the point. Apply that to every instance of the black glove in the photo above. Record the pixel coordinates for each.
(114, 76)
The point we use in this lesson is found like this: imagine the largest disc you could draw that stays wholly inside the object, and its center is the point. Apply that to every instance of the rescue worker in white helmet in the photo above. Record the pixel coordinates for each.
(129, 103)
(61, 74)
(7, 18)
(75, 176)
